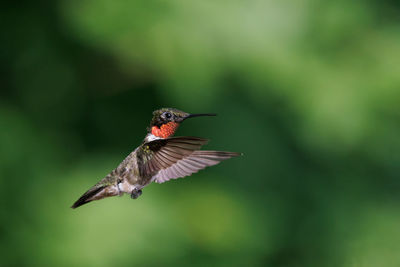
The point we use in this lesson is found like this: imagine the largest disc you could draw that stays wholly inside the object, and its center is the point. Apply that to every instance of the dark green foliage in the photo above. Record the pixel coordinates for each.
(307, 90)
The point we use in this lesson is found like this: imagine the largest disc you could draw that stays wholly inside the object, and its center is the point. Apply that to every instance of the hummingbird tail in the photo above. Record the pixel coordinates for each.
(95, 193)
(87, 197)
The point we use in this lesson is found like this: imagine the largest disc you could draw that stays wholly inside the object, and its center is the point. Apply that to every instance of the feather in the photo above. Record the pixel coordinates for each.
(176, 157)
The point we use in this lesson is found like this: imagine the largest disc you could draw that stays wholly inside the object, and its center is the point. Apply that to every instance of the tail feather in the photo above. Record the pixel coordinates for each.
(88, 196)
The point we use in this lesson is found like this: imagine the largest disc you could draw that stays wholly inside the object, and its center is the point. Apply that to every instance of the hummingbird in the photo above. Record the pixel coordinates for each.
(160, 158)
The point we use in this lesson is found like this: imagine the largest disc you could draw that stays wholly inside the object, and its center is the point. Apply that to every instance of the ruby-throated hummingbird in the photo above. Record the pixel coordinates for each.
(159, 158)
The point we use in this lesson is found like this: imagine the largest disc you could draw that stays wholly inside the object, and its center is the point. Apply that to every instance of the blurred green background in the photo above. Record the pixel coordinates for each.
(308, 90)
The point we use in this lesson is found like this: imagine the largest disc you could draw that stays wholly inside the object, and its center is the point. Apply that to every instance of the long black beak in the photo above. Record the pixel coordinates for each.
(198, 115)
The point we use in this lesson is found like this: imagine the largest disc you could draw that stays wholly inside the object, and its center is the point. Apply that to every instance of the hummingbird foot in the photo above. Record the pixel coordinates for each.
(136, 193)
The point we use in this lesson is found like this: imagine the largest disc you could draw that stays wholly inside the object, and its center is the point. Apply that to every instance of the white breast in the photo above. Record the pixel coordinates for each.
(125, 187)
(151, 137)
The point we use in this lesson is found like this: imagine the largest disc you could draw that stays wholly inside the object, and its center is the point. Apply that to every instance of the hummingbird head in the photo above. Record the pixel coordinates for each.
(166, 121)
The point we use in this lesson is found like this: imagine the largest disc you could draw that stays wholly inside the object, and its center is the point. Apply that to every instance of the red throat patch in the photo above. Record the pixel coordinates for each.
(166, 130)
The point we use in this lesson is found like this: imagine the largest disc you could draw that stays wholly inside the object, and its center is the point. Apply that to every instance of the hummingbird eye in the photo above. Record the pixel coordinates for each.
(167, 115)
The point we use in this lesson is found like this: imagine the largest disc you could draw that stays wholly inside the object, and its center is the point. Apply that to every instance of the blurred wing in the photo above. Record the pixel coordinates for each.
(176, 157)
(162, 153)
(192, 163)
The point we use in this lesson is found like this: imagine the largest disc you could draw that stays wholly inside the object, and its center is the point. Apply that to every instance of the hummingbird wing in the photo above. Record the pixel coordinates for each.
(178, 157)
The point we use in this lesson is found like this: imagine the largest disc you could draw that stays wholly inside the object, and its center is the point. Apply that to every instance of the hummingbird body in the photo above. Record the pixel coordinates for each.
(159, 158)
